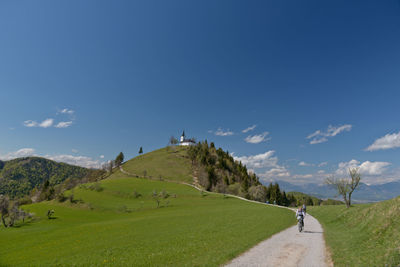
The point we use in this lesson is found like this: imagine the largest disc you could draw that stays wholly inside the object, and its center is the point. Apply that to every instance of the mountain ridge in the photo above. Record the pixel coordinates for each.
(364, 193)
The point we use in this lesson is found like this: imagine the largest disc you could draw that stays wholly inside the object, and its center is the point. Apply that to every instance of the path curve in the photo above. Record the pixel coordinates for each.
(288, 248)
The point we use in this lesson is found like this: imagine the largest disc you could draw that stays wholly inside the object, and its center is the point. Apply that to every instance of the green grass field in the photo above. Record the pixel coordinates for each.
(171, 163)
(112, 227)
(364, 235)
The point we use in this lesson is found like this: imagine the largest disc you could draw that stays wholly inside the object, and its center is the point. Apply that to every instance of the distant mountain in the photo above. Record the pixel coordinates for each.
(364, 193)
(19, 176)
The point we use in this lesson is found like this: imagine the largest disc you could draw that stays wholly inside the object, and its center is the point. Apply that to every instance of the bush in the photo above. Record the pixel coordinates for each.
(61, 197)
(136, 194)
(234, 189)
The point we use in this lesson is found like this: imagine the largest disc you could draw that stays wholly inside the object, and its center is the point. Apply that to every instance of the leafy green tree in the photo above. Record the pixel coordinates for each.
(4, 206)
(119, 159)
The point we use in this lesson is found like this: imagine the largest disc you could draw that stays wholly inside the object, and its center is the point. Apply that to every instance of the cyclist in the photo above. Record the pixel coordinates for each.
(300, 215)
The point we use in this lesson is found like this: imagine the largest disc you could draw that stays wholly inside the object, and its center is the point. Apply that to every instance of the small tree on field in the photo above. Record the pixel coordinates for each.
(345, 187)
(110, 166)
(141, 150)
(119, 159)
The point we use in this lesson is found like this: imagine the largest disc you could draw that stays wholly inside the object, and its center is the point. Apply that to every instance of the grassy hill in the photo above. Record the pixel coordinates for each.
(117, 222)
(19, 176)
(364, 235)
(171, 163)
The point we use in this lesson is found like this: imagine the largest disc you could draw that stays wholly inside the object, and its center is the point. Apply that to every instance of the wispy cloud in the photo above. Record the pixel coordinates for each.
(322, 136)
(23, 152)
(303, 163)
(30, 123)
(258, 138)
(63, 124)
(323, 164)
(67, 111)
(366, 168)
(44, 124)
(221, 132)
(386, 142)
(248, 129)
(82, 161)
(50, 121)
(266, 163)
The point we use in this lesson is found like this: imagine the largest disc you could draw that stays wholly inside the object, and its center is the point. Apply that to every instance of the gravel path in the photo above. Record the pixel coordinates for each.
(288, 248)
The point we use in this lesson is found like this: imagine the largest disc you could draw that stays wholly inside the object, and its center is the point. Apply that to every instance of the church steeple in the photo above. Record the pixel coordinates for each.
(183, 136)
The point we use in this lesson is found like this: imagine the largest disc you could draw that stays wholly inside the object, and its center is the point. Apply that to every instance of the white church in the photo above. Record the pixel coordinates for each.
(186, 142)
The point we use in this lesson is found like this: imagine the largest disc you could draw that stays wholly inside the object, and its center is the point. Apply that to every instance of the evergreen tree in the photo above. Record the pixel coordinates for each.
(119, 159)
(141, 150)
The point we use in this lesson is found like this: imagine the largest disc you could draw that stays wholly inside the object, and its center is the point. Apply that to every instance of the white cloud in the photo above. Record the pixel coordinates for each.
(63, 124)
(74, 150)
(255, 139)
(320, 136)
(30, 123)
(318, 140)
(46, 123)
(23, 152)
(303, 176)
(321, 172)
(266, 163)
(303, 163)
(323, 164)
(102, 156)
(386, 142)
(67, 111)
(251, 128)
(82, 161)
(366, 168)
(263, 160)
(221, 132)
(279, 172)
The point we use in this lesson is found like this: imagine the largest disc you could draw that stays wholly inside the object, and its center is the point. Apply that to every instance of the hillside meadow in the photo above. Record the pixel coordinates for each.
(117, 222)
(364, 234)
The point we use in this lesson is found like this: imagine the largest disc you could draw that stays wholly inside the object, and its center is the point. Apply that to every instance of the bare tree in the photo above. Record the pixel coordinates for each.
(345, 187)
(173, 140)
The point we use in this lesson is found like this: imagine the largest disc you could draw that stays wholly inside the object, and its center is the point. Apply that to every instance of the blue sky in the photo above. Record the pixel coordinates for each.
(81, 81)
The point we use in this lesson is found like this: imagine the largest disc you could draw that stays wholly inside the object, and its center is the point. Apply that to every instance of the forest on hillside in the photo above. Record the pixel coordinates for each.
(19, 177)
(217, 171)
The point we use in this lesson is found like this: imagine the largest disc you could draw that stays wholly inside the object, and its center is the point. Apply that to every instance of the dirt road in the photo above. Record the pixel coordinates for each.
(288, 248)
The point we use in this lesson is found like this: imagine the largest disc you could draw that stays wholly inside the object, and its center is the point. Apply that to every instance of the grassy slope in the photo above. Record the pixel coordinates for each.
(170, 163)
(364, 235)
(191, 230)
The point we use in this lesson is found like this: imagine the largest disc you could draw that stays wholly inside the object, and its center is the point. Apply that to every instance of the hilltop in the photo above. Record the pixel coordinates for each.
(18, 177)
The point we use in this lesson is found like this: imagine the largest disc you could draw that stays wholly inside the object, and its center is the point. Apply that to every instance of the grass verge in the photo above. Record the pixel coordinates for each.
(115, 226)
(364, 235)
